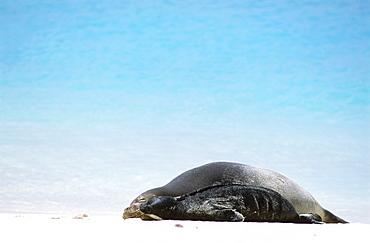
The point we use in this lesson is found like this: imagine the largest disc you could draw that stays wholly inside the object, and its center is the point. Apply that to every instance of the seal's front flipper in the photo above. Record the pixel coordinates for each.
(310, 218)
(228, 215)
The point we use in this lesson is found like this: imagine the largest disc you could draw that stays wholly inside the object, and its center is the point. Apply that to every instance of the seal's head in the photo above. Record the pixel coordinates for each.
(133, 211)
(161, 205)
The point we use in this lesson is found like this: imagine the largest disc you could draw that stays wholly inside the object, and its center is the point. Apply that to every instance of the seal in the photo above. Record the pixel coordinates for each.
(229, 173)
(235, 203)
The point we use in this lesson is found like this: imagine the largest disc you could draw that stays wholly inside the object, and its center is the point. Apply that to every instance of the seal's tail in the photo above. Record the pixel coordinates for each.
(331, 218)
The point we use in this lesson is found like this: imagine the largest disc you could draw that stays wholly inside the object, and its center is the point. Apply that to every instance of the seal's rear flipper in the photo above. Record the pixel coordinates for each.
(310, 218)
(331, 218)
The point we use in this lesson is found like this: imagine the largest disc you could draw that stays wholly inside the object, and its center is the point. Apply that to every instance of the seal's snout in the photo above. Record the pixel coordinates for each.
(133, 211)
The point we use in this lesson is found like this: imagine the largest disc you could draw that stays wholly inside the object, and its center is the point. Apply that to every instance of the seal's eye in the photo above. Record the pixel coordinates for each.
(141, 199)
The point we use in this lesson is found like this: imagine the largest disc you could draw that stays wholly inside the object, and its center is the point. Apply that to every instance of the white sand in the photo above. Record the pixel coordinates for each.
(43, 228)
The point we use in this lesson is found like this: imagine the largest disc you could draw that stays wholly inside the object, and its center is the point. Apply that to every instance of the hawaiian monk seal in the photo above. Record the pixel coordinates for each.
(226, 173)
(235, 203)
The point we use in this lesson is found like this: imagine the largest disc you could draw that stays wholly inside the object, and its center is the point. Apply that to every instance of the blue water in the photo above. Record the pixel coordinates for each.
(100, 101)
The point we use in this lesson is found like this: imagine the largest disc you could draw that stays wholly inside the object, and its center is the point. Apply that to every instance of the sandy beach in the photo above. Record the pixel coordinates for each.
(77, 228)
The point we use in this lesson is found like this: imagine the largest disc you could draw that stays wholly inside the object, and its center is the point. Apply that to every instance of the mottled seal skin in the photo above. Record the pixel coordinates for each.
(227, 173)
(228, 203)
